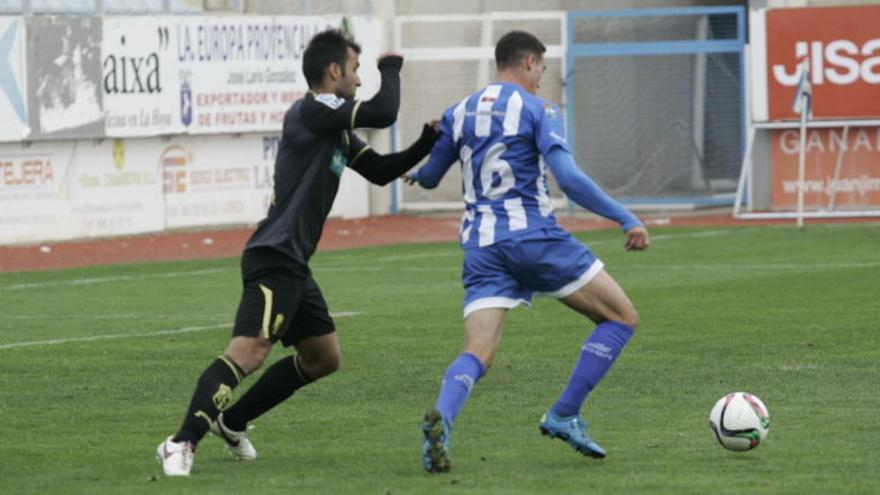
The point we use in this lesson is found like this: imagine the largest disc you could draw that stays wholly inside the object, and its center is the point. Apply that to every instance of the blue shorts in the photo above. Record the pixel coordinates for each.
(547, 261)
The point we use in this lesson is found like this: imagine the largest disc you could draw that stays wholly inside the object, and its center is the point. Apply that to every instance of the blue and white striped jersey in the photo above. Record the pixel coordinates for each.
(500, 135)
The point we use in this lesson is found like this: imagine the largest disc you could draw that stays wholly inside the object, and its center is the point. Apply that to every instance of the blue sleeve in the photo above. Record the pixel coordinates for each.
(586, 193)
(443, 155)
(549, 129)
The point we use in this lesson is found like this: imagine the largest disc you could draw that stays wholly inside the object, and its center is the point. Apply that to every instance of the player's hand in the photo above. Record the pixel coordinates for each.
(410, 178)
(435, 123)
(637, 239)
(387, 55)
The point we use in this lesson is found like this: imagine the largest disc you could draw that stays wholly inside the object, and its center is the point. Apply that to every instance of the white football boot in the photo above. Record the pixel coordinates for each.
(238, 442)
(176, 458)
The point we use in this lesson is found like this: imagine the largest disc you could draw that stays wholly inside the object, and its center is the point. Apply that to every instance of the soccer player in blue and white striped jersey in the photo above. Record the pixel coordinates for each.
(506, 138)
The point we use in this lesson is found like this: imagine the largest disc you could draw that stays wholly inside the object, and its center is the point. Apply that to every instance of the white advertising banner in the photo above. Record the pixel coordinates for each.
(213, 180)
(116, 188)
(140, 77)
(34, 200)
(13, 83)
(89, 77)
(241, 74)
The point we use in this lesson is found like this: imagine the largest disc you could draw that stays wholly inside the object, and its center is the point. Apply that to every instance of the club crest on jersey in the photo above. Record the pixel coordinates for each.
(549, 111)
(338, 163)
(330, 100)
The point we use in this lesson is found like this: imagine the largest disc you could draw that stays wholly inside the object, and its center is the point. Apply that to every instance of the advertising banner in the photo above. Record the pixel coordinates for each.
(212, 180)
(13, 82)
(70, 77)
(64, 77)
(842, 47)
(34, 200)
(241, 74)
(116, 188)
(140, 82)
(856, 185)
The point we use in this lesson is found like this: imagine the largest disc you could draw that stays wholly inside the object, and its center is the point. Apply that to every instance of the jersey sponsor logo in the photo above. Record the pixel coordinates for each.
(488, 99)
(330, 100)
(494, 113)
(338, 163)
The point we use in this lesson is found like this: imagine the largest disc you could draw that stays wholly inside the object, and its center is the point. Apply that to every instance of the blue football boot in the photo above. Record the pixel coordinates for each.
(573, 430)
(435, 450)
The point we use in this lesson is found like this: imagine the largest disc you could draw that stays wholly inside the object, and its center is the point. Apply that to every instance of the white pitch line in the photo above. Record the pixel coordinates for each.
(344, 314)
(158, 333)
(121, 316)
(92, 338)
(805, 266)
(384, 269)
(416, 256)
(119, 278)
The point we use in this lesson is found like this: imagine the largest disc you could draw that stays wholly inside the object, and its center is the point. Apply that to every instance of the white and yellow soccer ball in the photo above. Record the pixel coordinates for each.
(740, 421)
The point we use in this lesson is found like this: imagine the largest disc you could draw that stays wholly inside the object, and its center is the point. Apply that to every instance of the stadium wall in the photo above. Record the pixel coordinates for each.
(125, 125)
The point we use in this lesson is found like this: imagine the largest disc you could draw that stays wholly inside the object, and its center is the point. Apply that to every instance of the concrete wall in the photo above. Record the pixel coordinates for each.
(417, 7)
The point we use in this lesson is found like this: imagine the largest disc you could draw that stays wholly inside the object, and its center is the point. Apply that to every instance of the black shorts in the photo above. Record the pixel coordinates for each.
(279, 305)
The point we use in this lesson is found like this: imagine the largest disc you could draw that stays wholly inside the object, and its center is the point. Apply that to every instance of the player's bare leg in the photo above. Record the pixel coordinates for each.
(603, 301)
(482, 335)
(249, 353)
(319, 356)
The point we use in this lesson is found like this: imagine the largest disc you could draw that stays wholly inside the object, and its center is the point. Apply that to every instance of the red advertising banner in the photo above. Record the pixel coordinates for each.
(856, 185)
(842, 45)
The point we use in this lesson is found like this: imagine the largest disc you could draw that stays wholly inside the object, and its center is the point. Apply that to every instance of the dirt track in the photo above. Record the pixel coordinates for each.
(338, 234)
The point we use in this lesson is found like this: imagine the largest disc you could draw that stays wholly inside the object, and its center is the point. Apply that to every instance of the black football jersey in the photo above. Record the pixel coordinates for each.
(311, 158)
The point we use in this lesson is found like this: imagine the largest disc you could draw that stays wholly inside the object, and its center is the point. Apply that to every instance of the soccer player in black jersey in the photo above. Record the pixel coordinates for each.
(280, 300)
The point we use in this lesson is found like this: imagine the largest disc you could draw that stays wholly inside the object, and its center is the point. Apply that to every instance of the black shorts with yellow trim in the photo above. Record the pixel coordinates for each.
(279, 305)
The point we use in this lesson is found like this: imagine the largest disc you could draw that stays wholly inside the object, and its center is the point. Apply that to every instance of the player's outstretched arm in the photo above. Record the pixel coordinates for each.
(442, 157)
(586, 193)
(326, 113)
(382, 169)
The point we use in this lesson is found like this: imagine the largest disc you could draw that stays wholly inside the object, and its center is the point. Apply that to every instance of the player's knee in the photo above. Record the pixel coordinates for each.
(630, 318)
(255, 359)
(323, 365)
(249, 353)
(330, 364)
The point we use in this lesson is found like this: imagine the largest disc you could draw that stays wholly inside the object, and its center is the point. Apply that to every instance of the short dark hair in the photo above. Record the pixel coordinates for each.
(514, 46)
(324, 49)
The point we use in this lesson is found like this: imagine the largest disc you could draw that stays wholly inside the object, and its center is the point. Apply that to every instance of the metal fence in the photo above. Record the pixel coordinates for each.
(654, 98)
(656, 102)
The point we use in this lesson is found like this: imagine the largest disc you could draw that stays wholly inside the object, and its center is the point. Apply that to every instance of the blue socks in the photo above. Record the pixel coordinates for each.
(597, 355)
(460, 378)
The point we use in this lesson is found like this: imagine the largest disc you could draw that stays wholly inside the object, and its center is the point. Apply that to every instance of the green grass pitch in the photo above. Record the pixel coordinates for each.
(97, 365)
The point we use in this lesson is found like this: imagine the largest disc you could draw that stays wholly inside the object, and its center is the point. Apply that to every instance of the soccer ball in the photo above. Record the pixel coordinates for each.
(740, 421)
